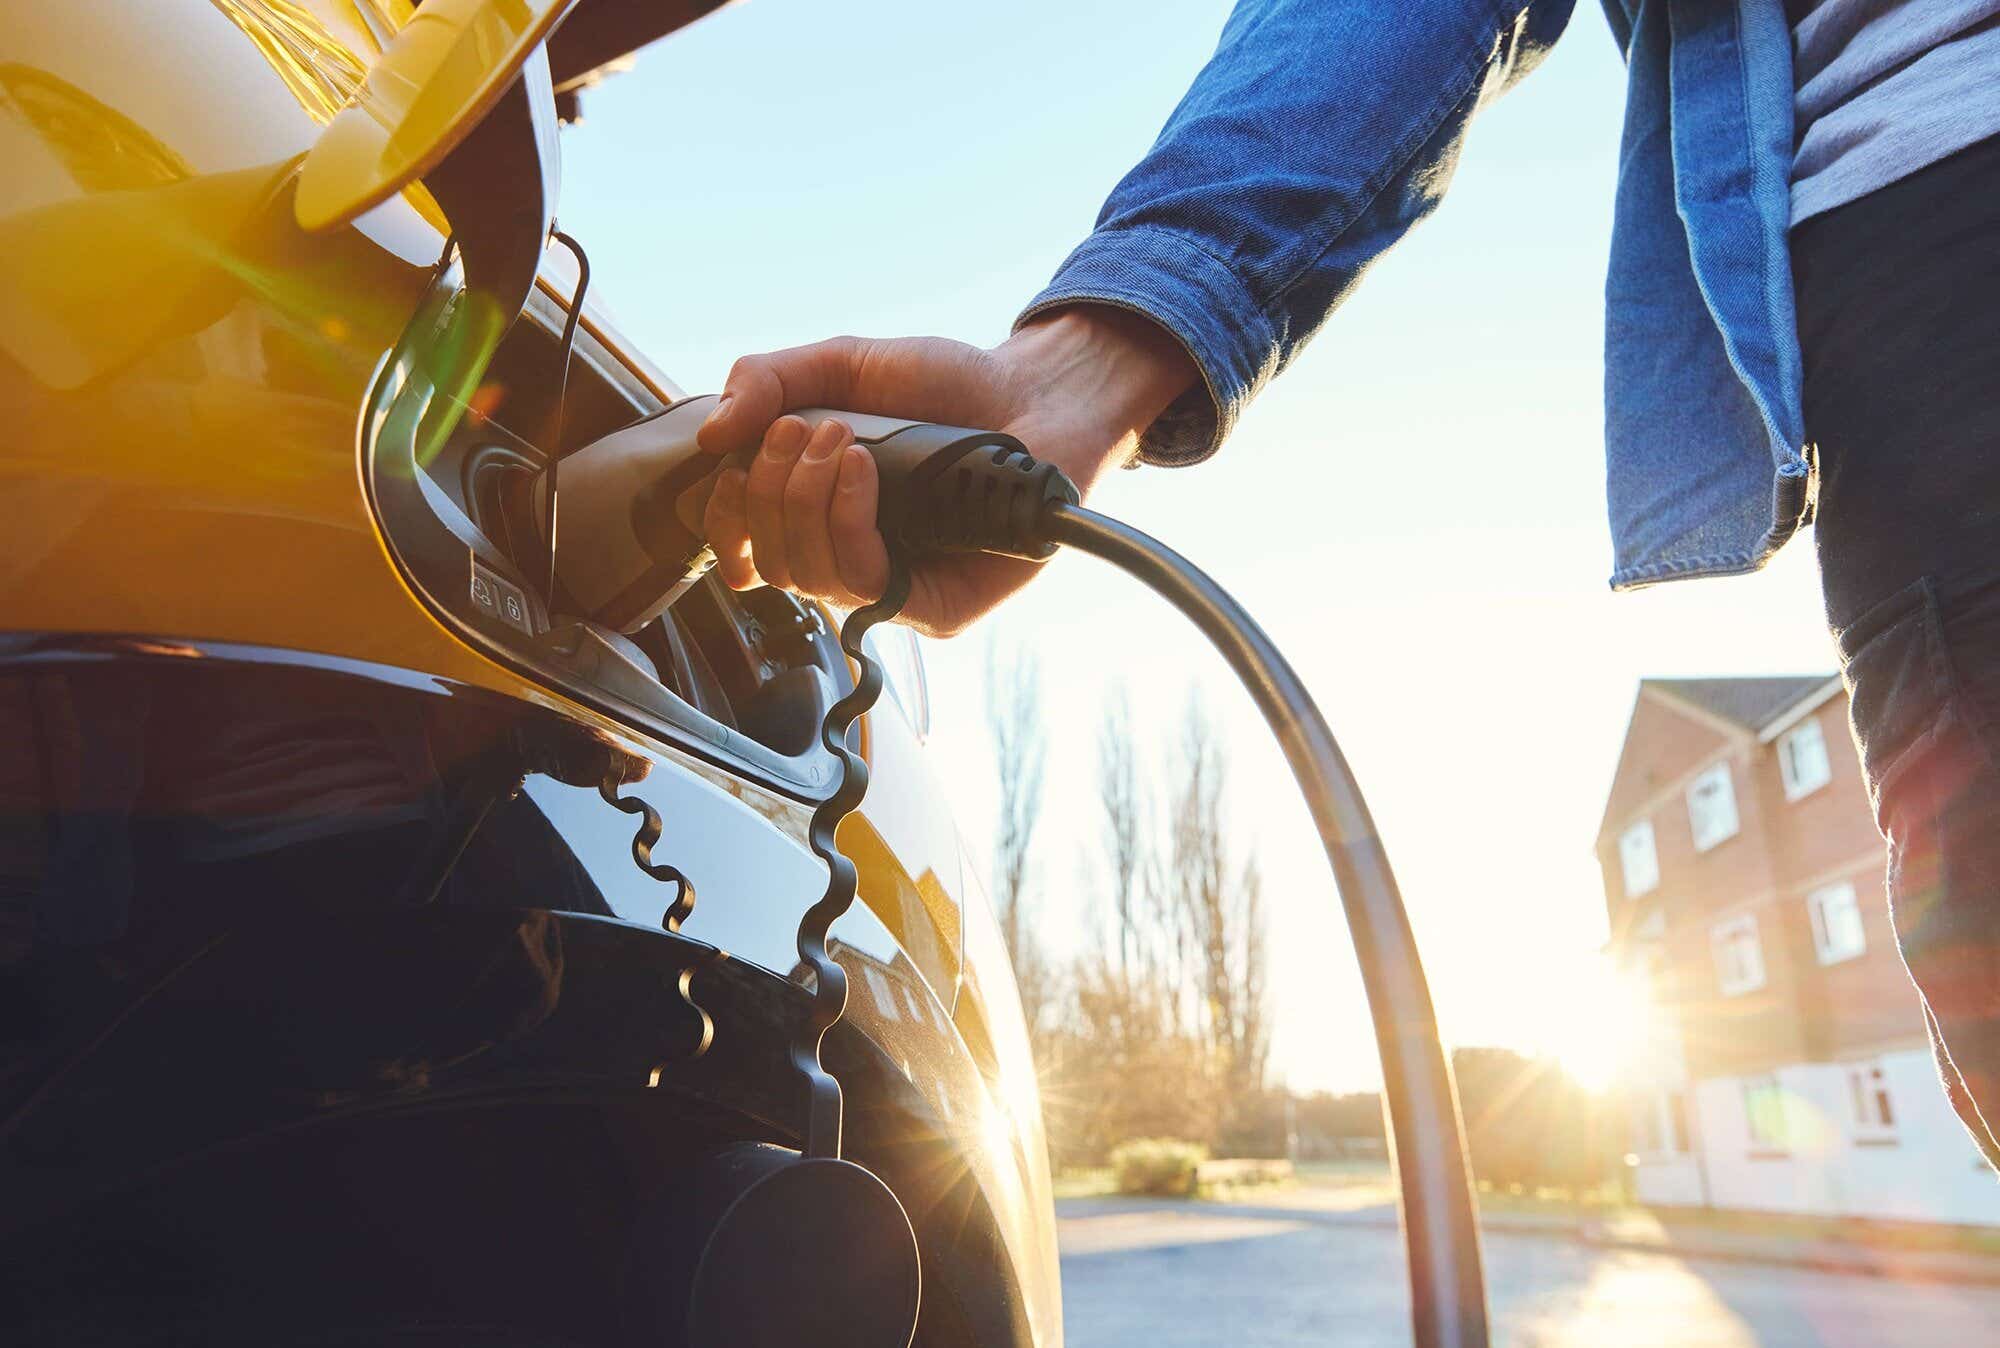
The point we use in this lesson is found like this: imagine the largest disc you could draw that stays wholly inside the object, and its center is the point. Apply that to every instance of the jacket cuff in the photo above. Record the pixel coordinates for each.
(1174, 282)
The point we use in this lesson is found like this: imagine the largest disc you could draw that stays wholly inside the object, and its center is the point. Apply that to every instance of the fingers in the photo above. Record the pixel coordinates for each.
(860, 558)
(762, 388)
(808, 500)
(691, 506)
(726, 525)
(770, 471)
(802, 517)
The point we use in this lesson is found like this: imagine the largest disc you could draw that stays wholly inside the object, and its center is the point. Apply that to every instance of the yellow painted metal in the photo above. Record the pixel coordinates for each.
(440, 73)
(918, 909)
(321, 71)
(183, 368)
(184, 371)
(182, 460)
(88, 282)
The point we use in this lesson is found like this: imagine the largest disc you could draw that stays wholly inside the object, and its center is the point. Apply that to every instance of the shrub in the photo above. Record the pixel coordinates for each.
(1156, 1165)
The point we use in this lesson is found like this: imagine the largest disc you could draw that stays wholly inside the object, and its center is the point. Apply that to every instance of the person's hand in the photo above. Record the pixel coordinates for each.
(1077, 387)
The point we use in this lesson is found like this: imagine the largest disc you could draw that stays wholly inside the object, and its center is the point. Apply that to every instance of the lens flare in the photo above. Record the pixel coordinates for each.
(1609, 1035)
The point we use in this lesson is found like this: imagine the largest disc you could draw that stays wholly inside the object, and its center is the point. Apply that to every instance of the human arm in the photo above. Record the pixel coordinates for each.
(1078, 386)
(1312, 141)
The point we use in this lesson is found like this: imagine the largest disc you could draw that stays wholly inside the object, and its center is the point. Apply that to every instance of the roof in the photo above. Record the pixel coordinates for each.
(1750, 703)
(1752, 707)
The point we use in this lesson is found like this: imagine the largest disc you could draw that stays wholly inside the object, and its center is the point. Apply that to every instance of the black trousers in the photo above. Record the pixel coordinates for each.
(1899, 319)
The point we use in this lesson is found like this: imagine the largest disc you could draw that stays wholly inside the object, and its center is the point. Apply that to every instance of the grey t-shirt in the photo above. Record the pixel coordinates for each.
(1886, 87)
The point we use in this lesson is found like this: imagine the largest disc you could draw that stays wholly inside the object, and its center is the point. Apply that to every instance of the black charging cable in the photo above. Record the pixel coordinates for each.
(957, 489)
(982, 492)
(1441, 1223)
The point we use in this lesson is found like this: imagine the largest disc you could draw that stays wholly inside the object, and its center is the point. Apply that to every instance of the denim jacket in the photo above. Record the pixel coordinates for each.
(1273, 186)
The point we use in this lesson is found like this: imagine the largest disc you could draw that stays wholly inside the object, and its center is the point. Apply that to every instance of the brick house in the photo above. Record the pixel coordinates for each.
(1786, 1066)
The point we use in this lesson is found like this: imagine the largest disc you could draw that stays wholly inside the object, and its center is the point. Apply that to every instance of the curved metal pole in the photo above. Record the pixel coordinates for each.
(1440, 1222)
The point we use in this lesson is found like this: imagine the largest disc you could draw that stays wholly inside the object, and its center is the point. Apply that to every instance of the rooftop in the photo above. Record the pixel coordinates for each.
(1750, 703)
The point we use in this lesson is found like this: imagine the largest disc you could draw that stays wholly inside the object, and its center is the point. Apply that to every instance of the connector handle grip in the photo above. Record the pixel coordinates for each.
(628, 552)
(956, 489)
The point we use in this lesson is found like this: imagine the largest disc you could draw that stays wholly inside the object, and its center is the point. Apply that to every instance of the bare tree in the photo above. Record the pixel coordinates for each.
(1252, 1051)
(1197, 888)
(1014, 714)
(1161, 1028)
(1216, 909)
(1122, 1072)
(1125, 841)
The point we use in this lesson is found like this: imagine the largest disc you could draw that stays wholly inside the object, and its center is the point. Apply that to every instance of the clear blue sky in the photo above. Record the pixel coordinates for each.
(1414, 511)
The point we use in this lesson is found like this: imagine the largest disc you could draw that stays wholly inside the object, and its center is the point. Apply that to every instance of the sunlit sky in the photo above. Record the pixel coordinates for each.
(1414, 511)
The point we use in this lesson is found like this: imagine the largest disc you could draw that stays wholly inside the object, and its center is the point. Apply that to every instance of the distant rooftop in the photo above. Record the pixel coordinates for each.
(1750, 703)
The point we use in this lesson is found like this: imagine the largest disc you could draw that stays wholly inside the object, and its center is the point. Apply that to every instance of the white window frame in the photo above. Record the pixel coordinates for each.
(1633, 890)
(1718, 833)
(1800, 785)
(1823, 933)
(1662, 1124)
(1758, 1124)
(1675, 1105)
(1723, 936)
(1871, 1105)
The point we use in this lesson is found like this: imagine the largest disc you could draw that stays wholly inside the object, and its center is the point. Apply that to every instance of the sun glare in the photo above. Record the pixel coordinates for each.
(1609, 1028)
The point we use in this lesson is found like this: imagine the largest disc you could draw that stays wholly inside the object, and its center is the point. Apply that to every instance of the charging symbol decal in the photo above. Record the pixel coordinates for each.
(497, 598)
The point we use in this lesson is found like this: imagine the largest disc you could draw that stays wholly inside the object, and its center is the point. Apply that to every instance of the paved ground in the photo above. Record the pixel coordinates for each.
(1178, 1275)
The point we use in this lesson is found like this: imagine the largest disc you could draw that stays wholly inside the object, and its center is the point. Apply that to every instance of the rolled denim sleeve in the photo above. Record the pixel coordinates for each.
(1312, 141)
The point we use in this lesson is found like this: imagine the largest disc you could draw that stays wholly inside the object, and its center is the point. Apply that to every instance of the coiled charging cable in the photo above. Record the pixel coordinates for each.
(946, 489)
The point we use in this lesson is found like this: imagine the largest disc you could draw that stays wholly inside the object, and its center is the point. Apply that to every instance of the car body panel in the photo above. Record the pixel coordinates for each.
(444, 70)
(185, 378)
(211, 981)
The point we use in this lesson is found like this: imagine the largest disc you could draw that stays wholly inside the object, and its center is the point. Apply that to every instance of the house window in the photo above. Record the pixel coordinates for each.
(1739, 956)
(1764, 1111)
(883, 993)
(1659, 1124)
(1868, 1097)
(1638, 860)
(1836, 923)
(1677, 1122)
(1802, 760)
(1712, 807)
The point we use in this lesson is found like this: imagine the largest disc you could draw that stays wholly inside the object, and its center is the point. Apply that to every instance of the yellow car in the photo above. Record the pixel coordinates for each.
(342, 999)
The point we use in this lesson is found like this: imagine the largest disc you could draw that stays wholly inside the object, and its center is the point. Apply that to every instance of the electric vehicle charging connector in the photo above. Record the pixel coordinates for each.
(629, 555)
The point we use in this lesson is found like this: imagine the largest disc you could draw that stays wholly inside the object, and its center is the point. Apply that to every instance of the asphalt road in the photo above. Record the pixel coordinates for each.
(1178, 1275)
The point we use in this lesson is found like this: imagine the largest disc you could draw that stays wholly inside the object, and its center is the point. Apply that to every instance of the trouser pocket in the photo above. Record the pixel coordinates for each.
(1932, 780)
(1902, 701)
